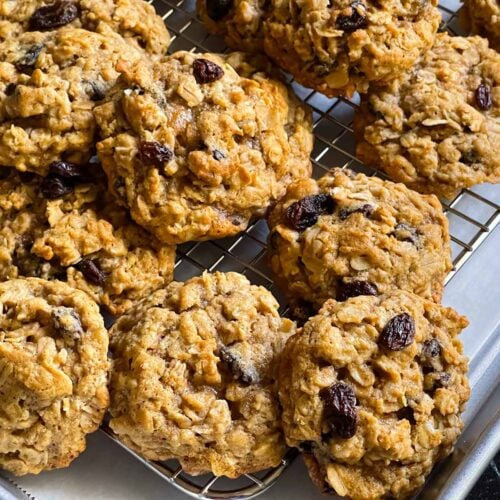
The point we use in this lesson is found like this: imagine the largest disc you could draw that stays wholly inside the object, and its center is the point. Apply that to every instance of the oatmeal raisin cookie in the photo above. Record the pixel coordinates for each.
(134, 20)
(53, 374)
(56, 228)
(335, 47)
(348, 234)
(372, 391)
(437, 127)
(201, 143)
(194, 376)
(483, 18)
(49, 84)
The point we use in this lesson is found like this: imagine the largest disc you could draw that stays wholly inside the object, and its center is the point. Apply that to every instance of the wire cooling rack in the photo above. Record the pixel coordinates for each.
(472, 215)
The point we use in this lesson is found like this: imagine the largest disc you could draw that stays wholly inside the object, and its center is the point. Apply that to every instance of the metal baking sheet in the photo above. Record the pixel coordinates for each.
(107, 470)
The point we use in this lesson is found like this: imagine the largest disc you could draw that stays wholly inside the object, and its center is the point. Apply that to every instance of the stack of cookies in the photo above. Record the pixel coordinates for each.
(113, 153)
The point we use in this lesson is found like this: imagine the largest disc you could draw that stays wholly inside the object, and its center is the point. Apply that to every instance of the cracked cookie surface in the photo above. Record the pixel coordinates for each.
(53, 374)
(201, 143)
(134, 20)
(348, 234)
(372, 391)
(437, 127)
(50, 83)
(333, 47)
(194, 375)
(482, 17)
(81, 237)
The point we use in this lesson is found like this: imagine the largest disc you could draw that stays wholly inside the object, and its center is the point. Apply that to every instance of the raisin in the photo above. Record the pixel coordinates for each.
(305, 212)
(483, 97)
(27, 63)
(246, 374)
(431, 348)
(217, 9)
(206, 71)
(67, 170)
(405, 232)
(91, 271)
(398, 333)
(53, 16)
(353, 22)
(67, 321)
(154, 153)
(365, 210)
(443, 379)
(96, 91)
(436, 380)
(355, 288)
(469, 157)
(340, 409)
(218, 155)
(53, 187)
(10, 89)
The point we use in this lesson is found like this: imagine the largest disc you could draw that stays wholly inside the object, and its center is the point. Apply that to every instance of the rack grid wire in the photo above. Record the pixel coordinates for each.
(473, 214)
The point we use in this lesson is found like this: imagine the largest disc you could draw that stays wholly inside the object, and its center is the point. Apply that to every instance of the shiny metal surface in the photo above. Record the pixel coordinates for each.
(472, 288)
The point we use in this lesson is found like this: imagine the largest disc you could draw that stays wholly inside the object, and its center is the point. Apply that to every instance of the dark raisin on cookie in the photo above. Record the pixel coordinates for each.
(154, 153)
(67, 170)
(353, 22)
(340, 412)
(431, 348)
(67, 322)
(53, 187)
(27, 63)
(469, 158)
(96, 90)
(365, 210)
(10, 89)
(206, 71)
(398, 333)
(483, 97)
(91, 271)
(405, 232)
(218, 155)
(305, 213)
(52, 16)
(239, 370)
(354, 289)
(217, 9)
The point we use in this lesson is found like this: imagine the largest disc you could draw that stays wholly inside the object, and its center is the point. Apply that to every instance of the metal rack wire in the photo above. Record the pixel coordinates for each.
(472, 215)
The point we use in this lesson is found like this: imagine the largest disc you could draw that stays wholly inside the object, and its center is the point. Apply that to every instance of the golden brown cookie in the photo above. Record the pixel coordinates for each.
(53, 372)
(437, 127)
(372, 391)
(134, 20)
(482, 17)
(49, 84)
(194, 376)
(348, 234)
(71, 229)
(333, 47)
(200, 144)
